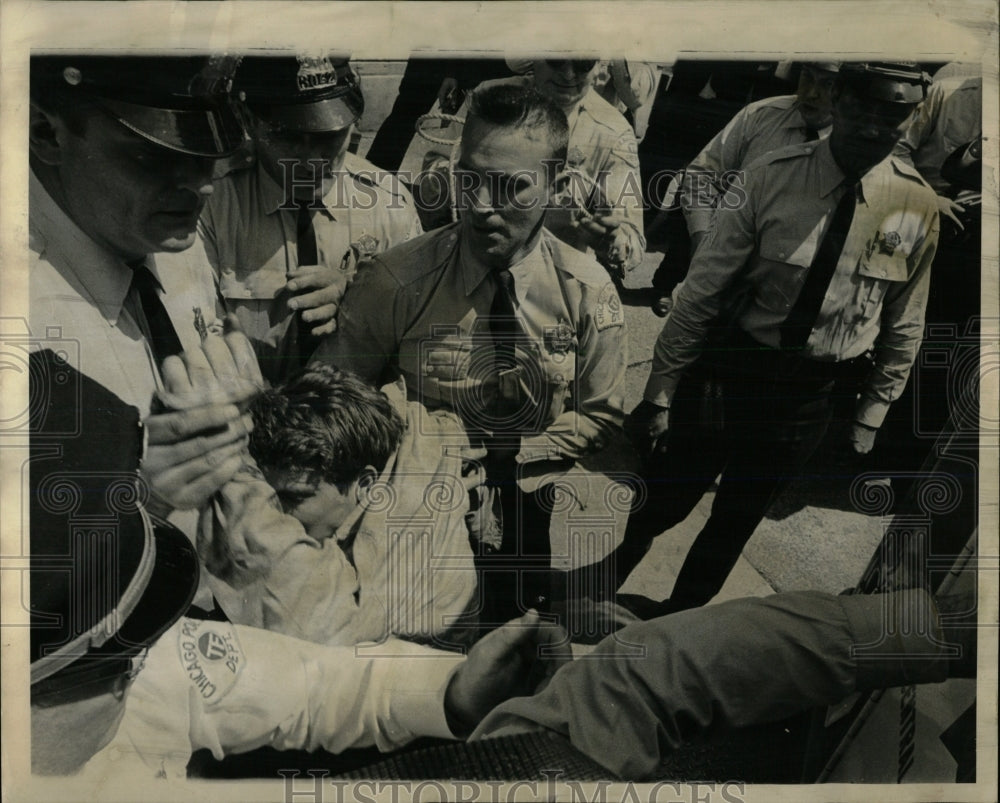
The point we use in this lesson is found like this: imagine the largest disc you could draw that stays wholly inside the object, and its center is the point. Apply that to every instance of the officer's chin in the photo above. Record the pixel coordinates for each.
(177, 242)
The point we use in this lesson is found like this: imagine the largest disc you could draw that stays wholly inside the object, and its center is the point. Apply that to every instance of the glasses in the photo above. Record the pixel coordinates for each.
(111, 675)
(578, 65)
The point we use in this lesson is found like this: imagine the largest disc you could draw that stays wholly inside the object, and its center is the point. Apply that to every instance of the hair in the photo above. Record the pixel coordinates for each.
(326, 423)
(522, 107)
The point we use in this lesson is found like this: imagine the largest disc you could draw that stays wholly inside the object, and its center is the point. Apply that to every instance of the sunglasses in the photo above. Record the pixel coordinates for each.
(578, 65)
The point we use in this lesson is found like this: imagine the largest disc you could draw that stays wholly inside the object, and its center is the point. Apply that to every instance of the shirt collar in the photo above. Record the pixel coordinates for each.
(474, 270)
(273, 194)
(102, 277)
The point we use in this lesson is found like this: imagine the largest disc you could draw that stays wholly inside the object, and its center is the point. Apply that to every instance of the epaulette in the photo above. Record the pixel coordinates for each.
(582, 267)
(364, 172)
(906, 170)
(785, 153)
(413, 259)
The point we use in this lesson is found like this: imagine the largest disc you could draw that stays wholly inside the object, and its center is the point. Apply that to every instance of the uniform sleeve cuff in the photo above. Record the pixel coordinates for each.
(871, 412)
(417, 692)
(659, 391)
(888, 654)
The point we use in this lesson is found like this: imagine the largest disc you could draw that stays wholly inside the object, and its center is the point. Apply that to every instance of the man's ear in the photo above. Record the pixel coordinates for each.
(365, 480)
(46, 133)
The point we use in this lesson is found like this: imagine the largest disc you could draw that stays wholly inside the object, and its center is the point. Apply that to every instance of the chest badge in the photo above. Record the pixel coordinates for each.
(558, 339)
(888, 242)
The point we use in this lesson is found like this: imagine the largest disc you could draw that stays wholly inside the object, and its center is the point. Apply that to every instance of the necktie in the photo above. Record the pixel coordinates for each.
(503, 321)
(800, 321)
(308, 255)
(811, 133)
(306, 234)
(163, 338)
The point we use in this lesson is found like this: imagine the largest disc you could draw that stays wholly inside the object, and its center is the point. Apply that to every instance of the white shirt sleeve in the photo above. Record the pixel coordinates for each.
(231, 689)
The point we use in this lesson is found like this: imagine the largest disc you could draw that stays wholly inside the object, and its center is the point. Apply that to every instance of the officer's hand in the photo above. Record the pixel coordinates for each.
(223, 370)
(610, 241)
(473, 470)
(951, 210)
(862, 438)
(328, 286)
(646, 427)
(512, 661)
(196, 438)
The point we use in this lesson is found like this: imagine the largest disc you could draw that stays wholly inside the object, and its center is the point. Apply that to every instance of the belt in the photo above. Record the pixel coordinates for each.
(742, 355)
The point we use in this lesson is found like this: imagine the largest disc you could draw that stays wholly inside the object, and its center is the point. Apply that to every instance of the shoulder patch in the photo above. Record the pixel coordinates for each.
(608, 312)
(211, 656)
(627, 149)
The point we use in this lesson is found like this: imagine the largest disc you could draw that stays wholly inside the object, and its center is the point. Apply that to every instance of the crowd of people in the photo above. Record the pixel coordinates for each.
(323, 404)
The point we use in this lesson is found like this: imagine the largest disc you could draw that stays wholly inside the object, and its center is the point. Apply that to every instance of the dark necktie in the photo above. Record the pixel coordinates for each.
(306, 234)
(811, 133)
(503, 321)
(307, 343)
(800, 321)
(163, 338)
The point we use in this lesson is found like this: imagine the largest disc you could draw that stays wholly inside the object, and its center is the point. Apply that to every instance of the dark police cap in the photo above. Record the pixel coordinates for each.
(105, 580)
(301, 94)
(179, 102)
(891, 82)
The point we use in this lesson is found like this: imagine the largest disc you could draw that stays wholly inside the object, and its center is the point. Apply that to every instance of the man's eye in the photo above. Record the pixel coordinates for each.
(290, 501)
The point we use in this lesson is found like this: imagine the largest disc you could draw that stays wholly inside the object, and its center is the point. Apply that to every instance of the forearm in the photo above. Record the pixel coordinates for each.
(735, 664)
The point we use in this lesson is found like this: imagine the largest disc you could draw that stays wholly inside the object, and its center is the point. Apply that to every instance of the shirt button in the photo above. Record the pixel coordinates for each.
(781, 254)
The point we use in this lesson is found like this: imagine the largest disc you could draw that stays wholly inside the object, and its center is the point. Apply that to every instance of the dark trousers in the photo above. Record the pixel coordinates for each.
(770, 416)
(516, 577)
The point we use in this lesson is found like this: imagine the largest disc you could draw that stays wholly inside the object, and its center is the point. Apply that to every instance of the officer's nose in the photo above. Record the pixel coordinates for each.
(194, 173)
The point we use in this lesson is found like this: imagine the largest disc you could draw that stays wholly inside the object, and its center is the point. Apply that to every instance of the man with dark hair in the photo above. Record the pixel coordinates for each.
(600, 203)
(335, 450)
(114, 661)
(823, 254)
(496, 319)
(285, 236)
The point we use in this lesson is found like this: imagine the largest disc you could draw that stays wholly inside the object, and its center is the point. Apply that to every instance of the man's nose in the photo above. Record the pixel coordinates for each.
(195, 173)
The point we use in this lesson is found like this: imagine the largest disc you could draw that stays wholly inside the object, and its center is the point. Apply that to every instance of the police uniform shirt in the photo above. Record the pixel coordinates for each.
(80, 306)
(230, 689)
(756, 130)
(767, 238)
(431, 295)
(951, 116)
(252, 243)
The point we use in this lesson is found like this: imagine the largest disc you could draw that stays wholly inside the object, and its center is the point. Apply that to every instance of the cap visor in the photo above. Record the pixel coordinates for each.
(211, 132)
(170, 590)
(332, 114)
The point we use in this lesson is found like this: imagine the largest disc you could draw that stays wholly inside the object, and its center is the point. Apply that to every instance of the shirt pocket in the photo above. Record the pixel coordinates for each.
(780, 274)
(877, 273)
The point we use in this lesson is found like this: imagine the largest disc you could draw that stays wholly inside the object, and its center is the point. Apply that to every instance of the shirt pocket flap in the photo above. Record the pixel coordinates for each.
(790, 251)
(887, 267)
(261, 284)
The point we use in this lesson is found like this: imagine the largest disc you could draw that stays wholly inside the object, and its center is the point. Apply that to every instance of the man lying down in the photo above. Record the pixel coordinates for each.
(137, 686)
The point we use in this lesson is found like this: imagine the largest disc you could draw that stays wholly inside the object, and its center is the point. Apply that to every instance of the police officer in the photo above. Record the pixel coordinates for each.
(285, 236)
(755, 130)
(600, 201)
(122, 153)
(499, 320)
(822, 254)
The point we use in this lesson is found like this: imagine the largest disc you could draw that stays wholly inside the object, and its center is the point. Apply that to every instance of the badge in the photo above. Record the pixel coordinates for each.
(205, 329)
(609, 309)
(315, 73)
(558, 339)
(889, 242)
(211, 657)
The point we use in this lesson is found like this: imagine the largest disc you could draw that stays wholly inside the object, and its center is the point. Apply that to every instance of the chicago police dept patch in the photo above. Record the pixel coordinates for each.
(211, 656)
(609, 309)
